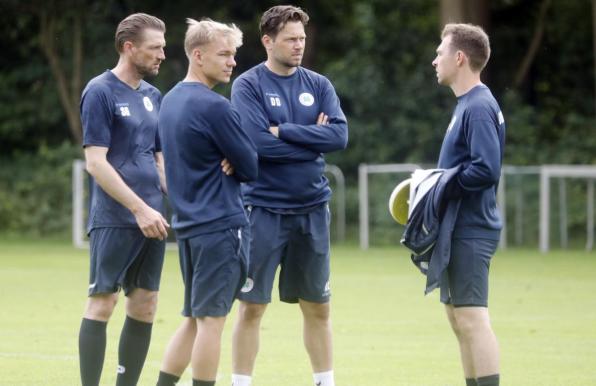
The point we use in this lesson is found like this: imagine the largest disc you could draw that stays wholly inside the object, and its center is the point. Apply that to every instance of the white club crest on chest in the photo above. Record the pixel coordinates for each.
(148, 104)
(306, 99)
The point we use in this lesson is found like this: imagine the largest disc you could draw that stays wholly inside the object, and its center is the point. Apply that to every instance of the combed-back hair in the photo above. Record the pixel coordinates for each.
(132, 27)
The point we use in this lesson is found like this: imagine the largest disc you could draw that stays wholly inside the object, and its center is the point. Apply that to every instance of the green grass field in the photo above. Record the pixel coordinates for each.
(385, 331)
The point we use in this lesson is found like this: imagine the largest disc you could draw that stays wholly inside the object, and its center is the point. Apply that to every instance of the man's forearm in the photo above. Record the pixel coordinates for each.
(110, 181)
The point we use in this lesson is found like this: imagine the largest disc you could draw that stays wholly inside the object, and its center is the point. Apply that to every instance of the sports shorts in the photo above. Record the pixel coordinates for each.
(465, 281)
(299, 245)
(124, 258)
(213, 269)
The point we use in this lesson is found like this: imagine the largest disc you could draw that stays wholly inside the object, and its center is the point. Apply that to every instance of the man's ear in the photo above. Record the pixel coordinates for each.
(461, 58)
(128, 47)
(197, 56)
(267, 41)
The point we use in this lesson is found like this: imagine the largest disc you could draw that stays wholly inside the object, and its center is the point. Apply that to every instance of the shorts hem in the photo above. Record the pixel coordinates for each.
(128, 290)
(467, 303)
(294, 300)
(104, 291)
(253, 301)
(205, 314)
(470, 304)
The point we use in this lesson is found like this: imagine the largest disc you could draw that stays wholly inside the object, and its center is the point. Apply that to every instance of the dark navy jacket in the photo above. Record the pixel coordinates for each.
(429, 229)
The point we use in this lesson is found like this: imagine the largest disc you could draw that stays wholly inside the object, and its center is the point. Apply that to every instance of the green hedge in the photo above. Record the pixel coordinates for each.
(36, 192)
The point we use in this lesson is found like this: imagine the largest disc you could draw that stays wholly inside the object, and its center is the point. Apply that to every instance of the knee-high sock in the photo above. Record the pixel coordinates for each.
(92, 350)
(166, 379)
(132, 351)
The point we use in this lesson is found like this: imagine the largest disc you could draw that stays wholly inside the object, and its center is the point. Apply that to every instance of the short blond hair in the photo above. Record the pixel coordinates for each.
(205, 31)
(472, 40)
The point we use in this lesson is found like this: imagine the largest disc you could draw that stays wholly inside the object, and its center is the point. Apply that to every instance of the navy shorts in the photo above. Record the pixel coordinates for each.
(124, 258)
(299, 243)
(213, 269)
(465, 282)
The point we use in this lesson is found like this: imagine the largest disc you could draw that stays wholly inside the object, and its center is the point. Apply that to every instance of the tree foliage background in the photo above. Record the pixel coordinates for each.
(377, 53)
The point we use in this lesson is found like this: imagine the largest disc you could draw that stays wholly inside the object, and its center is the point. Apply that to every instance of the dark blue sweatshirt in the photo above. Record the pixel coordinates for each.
(475, 139)
(199, 128)
(290, 167)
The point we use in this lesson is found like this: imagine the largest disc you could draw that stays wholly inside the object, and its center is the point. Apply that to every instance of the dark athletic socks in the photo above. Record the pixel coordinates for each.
(471, 382)
(196, 382)
(166, 379)
(491, 380)
(92, 349)
(132, 351)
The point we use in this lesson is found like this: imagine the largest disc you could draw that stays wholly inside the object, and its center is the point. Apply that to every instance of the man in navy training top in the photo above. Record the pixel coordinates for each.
(294, 116)
(126, 228)
(475, 139)
(199, 128)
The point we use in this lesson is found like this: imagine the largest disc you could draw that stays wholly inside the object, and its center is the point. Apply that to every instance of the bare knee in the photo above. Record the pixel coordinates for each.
(142, 305)
(251, 312)
(315, 312)
(101, 306)
(470, 321)
(453, 321)
(211, 325)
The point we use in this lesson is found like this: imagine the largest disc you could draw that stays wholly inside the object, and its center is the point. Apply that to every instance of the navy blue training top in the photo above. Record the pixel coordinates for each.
(475, 139)
(199, 128)
(290, 167)
(116, 116)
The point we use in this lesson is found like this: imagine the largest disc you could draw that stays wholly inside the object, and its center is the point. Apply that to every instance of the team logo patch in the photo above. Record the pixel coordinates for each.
(248, 285)
(148, 104)
(121, 369)
(306, 99)
(327, 289)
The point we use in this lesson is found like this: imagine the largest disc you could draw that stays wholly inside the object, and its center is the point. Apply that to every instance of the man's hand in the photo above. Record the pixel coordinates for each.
(151, 222)
(227, 167)
(274, 130)
(322, 119)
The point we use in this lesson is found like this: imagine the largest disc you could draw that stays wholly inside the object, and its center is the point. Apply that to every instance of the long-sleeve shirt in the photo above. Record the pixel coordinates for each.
(290, 167)
(199, 128)
(475, 139)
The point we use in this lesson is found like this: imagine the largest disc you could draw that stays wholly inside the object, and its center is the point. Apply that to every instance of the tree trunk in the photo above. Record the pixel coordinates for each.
(465, 11)
(69, 88)
(526, 63)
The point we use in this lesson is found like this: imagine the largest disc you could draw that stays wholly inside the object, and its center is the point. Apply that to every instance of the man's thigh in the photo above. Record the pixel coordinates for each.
(214, 269)
(268, 241)
(123, 257)
(305, 268)
(466, 280)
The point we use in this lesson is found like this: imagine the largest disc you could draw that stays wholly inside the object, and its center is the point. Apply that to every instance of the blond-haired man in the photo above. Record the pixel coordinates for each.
(201, 133)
